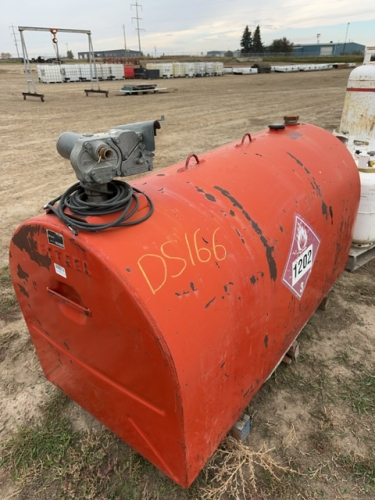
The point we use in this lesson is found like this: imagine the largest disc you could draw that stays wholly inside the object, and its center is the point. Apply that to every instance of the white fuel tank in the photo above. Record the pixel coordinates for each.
(358, 116)
(357, 130)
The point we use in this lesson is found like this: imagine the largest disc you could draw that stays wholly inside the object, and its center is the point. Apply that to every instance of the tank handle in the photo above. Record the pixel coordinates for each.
(243, 140)
(186, 166)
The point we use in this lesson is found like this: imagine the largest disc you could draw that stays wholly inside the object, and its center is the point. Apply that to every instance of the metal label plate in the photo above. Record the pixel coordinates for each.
(55, 239)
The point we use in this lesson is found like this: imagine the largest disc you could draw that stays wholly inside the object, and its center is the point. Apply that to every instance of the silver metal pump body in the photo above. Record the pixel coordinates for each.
(122, 151)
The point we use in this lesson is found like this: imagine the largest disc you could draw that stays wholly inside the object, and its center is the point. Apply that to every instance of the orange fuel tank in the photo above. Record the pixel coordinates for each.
(165, 330)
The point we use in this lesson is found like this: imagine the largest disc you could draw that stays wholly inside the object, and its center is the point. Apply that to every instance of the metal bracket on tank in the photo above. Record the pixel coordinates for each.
(243, 140)
(186, 166)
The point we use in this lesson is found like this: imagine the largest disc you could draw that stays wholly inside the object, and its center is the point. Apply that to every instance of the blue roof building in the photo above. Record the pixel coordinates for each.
(327, 49)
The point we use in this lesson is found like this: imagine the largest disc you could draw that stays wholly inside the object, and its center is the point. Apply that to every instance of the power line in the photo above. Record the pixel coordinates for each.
(136, 5)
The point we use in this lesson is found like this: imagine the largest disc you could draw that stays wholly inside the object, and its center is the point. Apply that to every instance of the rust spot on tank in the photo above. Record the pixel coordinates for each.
(177, 294)
(281, 229)
(209, 303)
(209, 196)
(185, 292)
(331, 213)
(24, 239)
(192, 286)
(266, 341)
(222, 365)
(269, 249)
(128, 270)
(312, 179)
(23, 275)
(324, 210)
(298, 162)
(247, 393)
(23, 290)
(205, 240)
(86, 269)
(74, 242)
(253, 280)
(160, 175)
(233, 214)
(66, 345)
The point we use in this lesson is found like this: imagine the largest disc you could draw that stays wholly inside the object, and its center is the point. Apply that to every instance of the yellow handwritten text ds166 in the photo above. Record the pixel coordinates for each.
(194, 256)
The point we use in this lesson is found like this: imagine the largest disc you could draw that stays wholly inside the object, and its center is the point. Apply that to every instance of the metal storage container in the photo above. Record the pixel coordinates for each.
(165, 330)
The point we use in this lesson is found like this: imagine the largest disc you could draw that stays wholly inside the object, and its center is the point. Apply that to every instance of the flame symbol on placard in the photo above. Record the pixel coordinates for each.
(301, 237)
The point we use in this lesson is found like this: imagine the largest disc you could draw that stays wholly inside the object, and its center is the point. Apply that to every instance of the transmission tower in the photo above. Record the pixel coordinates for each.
(136, 5)
(15, 40)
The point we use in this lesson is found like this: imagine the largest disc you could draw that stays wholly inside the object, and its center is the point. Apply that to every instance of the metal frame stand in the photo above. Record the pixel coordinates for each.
(29, 77)
(93, 65)
(28, 74)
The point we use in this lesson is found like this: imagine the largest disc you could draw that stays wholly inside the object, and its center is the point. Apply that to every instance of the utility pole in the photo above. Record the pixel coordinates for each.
(123, 29)
(346, 34)
(136, 5)
(15, 41)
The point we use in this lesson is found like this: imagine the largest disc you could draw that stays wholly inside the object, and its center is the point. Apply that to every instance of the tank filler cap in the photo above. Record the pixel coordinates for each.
(291, 120)
(276, 126)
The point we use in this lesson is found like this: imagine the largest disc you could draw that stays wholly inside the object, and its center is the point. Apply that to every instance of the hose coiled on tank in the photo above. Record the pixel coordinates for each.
(120, 198)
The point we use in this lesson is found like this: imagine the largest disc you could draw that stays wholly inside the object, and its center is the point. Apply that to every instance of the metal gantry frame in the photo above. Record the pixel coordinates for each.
(31, 89)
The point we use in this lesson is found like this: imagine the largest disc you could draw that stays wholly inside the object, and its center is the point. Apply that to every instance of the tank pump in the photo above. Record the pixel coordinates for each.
(97, 159)
(122, 151)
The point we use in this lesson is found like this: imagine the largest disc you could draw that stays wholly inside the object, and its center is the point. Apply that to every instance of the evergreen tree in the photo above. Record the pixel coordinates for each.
(281, 45)
(246, 41)
(257, 41)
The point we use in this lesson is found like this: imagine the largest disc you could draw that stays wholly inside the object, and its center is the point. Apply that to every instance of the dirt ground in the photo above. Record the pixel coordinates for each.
(299, 413)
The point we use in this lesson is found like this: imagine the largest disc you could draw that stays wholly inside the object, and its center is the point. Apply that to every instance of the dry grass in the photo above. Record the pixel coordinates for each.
(234, 471)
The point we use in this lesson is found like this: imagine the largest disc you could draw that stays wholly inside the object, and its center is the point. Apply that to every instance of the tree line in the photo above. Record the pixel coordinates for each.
(252, 43)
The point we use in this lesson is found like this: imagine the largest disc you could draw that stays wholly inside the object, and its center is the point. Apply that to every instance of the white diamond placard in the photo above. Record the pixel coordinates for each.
(302, 255)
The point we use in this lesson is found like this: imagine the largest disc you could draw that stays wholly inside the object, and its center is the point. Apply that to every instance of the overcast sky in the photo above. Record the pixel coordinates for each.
(181, 26)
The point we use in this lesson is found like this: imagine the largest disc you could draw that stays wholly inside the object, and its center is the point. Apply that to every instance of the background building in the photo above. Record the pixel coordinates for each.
(327, 49)
(111, 53)
(216, 53)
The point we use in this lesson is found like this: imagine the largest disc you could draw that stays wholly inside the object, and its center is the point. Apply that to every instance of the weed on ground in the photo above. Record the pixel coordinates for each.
(9, 309)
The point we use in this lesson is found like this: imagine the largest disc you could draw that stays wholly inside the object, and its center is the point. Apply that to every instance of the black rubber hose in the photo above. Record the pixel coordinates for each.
(120, 198)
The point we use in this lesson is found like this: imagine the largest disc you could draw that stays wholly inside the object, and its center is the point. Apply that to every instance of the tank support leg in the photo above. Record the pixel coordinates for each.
(292, 354)
(241, 428)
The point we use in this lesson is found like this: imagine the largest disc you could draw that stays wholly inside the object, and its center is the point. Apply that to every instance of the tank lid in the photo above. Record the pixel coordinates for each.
(276, 126)
(365, 72)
